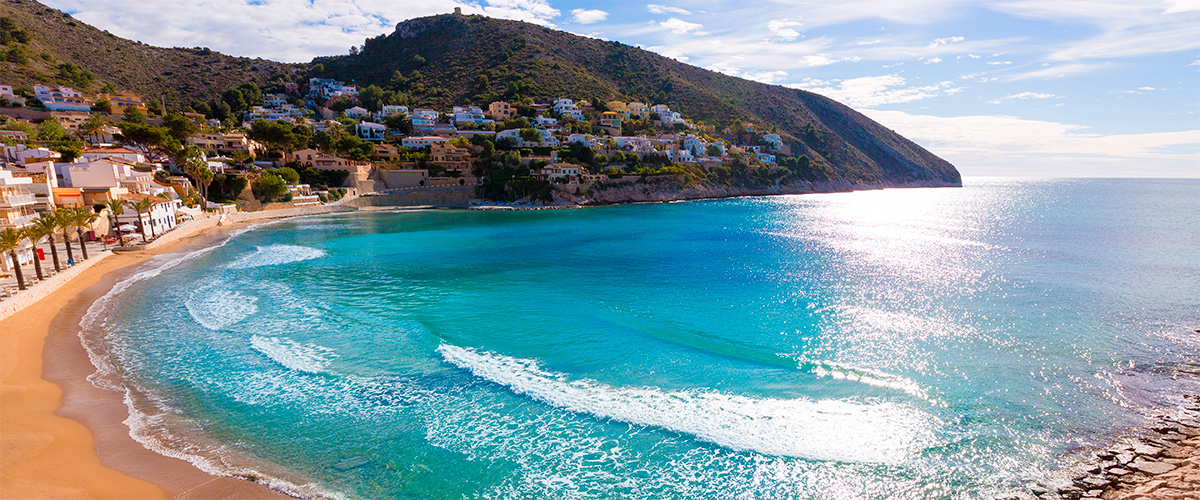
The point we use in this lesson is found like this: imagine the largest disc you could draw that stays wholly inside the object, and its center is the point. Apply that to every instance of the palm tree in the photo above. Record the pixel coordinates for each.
(10, 241)
(82, 218)
(48, 226)
(62, 219)
(93, 126)
(144, 205)
(116, 207)
(196, 168)
(34, 233)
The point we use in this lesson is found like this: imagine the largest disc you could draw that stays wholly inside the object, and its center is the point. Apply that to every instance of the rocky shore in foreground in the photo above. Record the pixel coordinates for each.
(1161, 463)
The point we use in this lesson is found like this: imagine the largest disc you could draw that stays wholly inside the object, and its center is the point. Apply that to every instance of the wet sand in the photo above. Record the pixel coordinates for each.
(60, 436)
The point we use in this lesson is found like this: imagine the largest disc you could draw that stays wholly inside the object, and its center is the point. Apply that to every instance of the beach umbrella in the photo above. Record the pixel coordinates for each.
(127, 227)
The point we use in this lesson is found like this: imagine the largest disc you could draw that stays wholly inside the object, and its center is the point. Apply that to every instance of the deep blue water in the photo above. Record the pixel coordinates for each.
(919, 343)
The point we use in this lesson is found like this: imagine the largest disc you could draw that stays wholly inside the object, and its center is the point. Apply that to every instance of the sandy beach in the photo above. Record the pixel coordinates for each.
(60, 436)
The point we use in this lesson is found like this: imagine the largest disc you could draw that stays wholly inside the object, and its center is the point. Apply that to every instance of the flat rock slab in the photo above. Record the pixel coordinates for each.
(1147, 450)
(1152, 468)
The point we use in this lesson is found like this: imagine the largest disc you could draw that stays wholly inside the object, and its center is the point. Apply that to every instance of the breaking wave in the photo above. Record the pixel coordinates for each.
(867, 376)
(219, 308)
(273, 255)
(293, 355)
(840, 430)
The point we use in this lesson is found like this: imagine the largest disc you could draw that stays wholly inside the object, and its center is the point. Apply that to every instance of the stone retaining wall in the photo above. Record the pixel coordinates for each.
(451, 196)
(24, 299)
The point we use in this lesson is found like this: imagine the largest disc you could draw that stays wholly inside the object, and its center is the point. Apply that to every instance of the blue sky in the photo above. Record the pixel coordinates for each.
(1005, 87)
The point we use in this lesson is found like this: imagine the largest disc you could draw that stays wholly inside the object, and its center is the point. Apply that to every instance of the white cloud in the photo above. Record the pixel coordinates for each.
(782, 28)
(872, 91)
(585, 16)
(666, 9)
(765, 76)
(1147, 88)
(680, 27)
(945, 41)
(999, 63)
(1007, 145)
(1023, 96)
(1127, 28)
(934, 60)
(815, 60)
(284, 30)
(1060, 71)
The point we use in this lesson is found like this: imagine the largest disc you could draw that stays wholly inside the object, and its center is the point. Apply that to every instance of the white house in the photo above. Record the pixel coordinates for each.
(368, 131)
(559, 171)
(544, 121)
(6, 93)
(274, 100)
(160, 219)
(775, 141)
(16, 211)
(567, 107)
(424, 119)
(420, 142)
(390, 110)
(357, 112)
(24, 154)
(547, 139)
(470, 114)
(582, 139)
(665, 114)
(90, 154)
(765, 158)
(635, 144)
(61, 98)
(108, 173)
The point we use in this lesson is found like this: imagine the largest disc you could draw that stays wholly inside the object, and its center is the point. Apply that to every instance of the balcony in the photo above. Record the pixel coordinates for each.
(19, 221)
(16, 200)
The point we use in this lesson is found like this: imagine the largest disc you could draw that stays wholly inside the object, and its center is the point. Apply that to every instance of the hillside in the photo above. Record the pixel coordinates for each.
(56, 40)
(451, 59)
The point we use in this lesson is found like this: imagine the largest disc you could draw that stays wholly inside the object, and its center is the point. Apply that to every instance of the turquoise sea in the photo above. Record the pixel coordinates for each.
(908, 343)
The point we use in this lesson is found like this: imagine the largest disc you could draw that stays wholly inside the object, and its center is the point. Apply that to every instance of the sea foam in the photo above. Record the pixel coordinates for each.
(869, 376)
(273, 255)
(840, 430)
(293, 355)
(217, 308)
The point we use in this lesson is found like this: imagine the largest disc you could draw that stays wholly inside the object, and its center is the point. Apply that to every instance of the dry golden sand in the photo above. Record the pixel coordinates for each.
(83, 450)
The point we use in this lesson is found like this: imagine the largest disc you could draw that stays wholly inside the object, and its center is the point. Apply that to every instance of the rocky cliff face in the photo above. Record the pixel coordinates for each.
(454, 59)
(671, 191)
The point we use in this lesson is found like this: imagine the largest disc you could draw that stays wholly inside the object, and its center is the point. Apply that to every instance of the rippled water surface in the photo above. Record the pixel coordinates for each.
(921, 343)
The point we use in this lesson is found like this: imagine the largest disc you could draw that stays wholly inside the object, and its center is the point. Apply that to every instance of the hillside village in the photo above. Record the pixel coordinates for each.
(312, 143)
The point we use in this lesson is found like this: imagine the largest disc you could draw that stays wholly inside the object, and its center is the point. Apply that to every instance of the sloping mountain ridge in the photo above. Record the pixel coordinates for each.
(176, 75)
(454, 59)
(450, 52)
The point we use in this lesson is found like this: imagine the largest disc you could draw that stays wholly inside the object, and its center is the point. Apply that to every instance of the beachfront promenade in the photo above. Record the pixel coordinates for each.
(13, 300)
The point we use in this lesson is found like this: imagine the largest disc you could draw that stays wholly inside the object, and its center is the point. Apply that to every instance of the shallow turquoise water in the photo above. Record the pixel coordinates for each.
(921, 343)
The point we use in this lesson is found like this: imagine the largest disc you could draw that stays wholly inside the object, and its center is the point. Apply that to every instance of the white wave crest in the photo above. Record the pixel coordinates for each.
(867, 376)
(273, 255)
(219, 308)
(823, 430)
(92, 322)
(293, 355)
